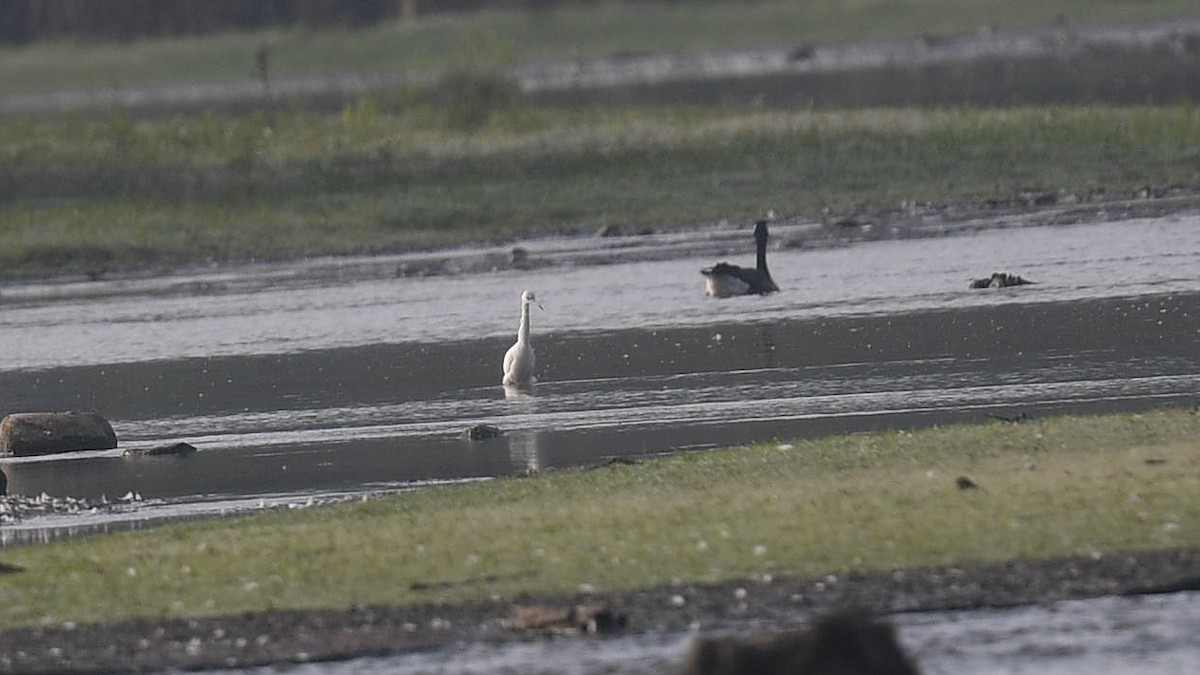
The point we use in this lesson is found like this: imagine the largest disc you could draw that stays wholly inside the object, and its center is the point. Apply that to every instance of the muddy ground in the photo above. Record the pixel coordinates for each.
(282, 637)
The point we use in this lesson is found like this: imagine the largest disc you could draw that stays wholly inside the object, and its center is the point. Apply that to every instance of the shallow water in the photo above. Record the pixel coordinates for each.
(331, 380)
(337, 378)
(290, 308)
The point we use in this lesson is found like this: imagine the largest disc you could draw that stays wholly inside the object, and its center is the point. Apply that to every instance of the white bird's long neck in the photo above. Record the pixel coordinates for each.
(523, 328)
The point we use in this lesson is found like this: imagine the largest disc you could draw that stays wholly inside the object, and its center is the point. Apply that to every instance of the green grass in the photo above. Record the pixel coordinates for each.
(126, 194)
(1066, 486)
(584, 31)
(468, 162)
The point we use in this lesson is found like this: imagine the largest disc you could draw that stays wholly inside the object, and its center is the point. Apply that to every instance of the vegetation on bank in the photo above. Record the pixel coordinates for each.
(392, 175)
(467, 160)
(565, 32)
(1067, 486)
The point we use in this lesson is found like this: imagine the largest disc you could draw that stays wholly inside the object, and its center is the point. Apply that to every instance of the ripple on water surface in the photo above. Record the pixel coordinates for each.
(297, 381)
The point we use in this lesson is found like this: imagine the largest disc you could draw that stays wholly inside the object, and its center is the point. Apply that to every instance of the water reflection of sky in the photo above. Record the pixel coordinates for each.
(284, 309)
(293, 381)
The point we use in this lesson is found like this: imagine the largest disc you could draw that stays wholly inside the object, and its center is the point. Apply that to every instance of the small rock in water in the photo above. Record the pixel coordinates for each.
(483, 432)
(169, 449)
(1000, 280)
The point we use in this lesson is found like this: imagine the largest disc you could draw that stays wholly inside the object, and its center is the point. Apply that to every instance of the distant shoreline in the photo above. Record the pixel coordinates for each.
(1149, 63)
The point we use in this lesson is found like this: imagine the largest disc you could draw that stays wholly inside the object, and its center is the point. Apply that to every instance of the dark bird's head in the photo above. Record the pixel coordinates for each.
(760, 230)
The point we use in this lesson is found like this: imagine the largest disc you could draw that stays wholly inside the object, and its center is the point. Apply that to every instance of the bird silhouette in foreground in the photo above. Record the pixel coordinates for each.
(1000, 280)
(519, 360)
(724, 280)
(846, 642)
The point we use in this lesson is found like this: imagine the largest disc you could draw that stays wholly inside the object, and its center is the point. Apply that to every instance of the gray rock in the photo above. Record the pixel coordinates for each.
(483, 432)
(1000, 280)
(45, 433)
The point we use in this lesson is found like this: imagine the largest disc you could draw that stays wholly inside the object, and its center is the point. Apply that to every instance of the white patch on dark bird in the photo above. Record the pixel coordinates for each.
(519, 359)
(724, 280)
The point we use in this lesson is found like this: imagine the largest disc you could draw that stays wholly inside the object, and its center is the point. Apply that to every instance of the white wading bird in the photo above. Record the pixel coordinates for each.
(518, 360)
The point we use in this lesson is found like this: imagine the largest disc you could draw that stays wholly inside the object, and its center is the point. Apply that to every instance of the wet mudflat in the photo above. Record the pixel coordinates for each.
(1142, 634)
(331, 379)
(337, 379)
(1107, 615)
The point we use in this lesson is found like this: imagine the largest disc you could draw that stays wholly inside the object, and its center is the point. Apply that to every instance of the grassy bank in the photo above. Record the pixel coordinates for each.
(120, 194)
(468, 161)
(1058, 487)
(585, 31)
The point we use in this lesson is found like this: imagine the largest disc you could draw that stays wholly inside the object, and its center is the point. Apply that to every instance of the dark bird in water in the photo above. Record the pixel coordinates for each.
(1000, 280)
(724, 280)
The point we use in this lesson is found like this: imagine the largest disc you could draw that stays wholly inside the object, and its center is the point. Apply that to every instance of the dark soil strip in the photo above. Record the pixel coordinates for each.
(279, 637)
